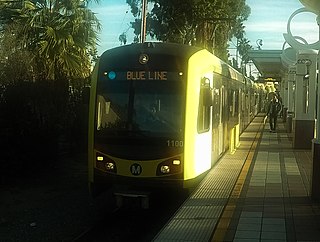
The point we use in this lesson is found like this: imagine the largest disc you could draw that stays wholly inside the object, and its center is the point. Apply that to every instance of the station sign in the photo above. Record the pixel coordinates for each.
(269, 79)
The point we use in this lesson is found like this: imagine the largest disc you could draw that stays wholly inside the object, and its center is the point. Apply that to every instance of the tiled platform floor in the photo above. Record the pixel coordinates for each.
(267, 200)
(275, 203)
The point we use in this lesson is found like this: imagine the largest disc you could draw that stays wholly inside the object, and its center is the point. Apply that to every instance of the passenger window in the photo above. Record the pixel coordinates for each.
(205, 104)
(216, 108)
(236, 103)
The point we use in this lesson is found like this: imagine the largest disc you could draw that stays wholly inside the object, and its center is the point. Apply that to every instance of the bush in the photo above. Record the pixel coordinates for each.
(33, 118)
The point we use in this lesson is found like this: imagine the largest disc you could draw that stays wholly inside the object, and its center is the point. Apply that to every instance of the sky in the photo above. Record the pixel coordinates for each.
(267, 22)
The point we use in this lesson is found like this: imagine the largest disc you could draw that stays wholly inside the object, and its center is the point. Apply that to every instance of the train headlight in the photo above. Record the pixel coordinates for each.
(109, 166)
(169, 167)
(105, 163)
(165, 169)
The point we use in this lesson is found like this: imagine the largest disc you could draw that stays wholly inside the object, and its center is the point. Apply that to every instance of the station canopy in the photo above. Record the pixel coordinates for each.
(269, 64)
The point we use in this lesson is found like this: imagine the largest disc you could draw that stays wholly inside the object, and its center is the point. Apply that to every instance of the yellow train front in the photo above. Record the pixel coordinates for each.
(160, 115)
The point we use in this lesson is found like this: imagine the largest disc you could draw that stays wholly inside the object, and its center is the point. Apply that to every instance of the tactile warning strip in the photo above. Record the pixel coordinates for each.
(199, 214)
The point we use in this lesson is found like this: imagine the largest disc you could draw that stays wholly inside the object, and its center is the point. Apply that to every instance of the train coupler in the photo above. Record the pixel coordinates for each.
(142, 196)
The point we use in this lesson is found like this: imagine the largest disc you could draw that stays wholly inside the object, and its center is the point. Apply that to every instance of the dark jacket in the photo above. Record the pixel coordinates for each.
(274, 108)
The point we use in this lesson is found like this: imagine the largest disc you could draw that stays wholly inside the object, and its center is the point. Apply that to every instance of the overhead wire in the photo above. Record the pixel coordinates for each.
(121, 26)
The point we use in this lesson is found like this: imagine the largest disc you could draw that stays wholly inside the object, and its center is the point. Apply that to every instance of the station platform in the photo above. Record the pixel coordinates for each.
(259, 193)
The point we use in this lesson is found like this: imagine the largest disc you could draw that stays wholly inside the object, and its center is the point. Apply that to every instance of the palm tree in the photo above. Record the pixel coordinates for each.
(60, 34)
(45, 47)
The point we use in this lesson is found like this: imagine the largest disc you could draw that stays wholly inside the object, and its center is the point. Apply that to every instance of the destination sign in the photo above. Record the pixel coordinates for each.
(147, 75)
(141, 75)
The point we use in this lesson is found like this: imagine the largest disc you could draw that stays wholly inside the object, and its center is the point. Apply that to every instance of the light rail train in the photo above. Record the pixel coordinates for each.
(162, 114)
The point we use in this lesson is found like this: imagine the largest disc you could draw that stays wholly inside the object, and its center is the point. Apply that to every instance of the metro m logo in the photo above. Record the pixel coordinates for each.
(136, 169)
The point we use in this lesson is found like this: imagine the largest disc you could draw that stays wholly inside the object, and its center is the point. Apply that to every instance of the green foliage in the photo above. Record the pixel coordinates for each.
(243, 49)
(205, 23)
(46, 51)
(30, 127)
(60, 35)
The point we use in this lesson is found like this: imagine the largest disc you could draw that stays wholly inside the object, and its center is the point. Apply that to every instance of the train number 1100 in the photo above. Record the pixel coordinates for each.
(175, 143)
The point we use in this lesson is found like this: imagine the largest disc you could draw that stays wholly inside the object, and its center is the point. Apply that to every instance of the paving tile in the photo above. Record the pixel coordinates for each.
(249, 227)
(255, 194)
(271, 235)
(277, 211)
(277, 221)
(274, 227)
(246, 240)
(273, 209)
(257, 184)
(252, 208)
(308, 235)
(259, 173)
(271, 187)
(247, 234)
(274, 194)
(273, 200)
(246, 214)
(274, 240)
(295, 193)
(273, 180)
(274, 186)
(275, 203)
(305, 223)
(274, 215)
(250, 220)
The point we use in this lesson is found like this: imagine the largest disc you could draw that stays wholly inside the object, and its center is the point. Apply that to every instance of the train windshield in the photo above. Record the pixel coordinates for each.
(139, 108)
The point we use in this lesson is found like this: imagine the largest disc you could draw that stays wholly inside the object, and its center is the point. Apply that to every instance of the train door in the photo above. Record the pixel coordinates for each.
(243, 110)
(217, 133)
(222, 122)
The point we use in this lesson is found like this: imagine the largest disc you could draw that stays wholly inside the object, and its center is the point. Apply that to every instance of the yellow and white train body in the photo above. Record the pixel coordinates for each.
(161, 115)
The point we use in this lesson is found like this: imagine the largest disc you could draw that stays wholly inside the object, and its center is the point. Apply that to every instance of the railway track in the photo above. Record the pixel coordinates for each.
(133, 223)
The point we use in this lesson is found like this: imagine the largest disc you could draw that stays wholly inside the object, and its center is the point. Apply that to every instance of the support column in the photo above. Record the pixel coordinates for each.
(305, 100)
(284, 94)
(315, 180)
(291, 81)
(290, 98)
(143, 21)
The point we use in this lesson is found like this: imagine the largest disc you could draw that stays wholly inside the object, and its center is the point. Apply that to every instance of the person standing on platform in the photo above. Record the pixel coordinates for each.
(273, 111)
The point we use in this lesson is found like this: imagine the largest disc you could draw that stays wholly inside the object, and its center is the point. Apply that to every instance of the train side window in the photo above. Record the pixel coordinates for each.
(216, 108)
(205, 103)
(236, 103)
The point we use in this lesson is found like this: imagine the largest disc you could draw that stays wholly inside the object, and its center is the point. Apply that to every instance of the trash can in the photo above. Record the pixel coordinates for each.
(284, 114)
(289, 122)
